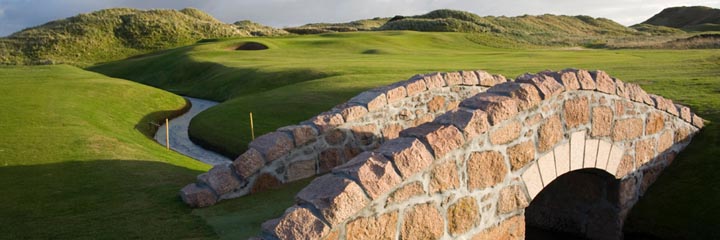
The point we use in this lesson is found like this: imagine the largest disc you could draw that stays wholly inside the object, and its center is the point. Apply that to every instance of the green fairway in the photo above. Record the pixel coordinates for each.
(301, 76)
(76, 163)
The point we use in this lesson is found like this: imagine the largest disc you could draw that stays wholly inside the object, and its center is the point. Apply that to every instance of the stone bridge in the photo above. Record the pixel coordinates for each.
(465, 155)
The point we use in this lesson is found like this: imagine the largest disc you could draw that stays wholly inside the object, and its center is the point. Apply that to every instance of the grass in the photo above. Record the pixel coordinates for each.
(300, 76)
(76, 162)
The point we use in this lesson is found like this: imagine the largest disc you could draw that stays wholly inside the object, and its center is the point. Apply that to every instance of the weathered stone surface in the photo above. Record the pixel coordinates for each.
(546, 164)
(567, 79)
(664, 104)
(197, 197)
(506, 134)
(620, 88)
(512, 228)
(406, 192)
(297, 223)
(444, 177)
(497, 107)
(562, 158)
(302, 134)
(485, 169)
(452, 78)
(550, 133)
(301, 169)
(485, 79)
(463, 215)
(440, 138)
(627, 129)
(645, 151)
(655, 123)
(526, 94)
(373, 101)
(378, 227)
(353, 113)
(409, 154)
(472, 123)
(414, 86)
(335, 137)
(469, 78)
(602, 118)
(577, 112)
(665, 141)
(627, 165)
(273, 145)
(649, 176)
(373, 172)
(327, 121)
(336, 198)
(577, 149)
(422, 221)
(512, 198)
(264, 182)
(547, 85)
(364, 134)
(532, 179)
(697, 121)
(433, 80)
(436, 104)
(585, 79)
(394, 93)
(603, 82)
(521, 154)
(685, 112)
(330, 158)
(248, 163)
(391, 131)
(221, 179)
(637, 94)
(591, 149)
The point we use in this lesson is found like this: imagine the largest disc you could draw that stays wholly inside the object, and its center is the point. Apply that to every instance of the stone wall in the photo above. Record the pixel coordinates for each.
(329, 139)
(472, 171)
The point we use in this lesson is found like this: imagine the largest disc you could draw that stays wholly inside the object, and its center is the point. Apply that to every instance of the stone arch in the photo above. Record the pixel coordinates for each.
(471, 172)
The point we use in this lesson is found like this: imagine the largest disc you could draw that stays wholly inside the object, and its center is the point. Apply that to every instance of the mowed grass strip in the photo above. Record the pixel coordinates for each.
(76, 162)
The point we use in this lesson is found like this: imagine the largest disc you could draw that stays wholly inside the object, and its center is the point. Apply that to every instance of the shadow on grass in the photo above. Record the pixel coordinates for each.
(683, 202)
(150, 123)
(94, 199)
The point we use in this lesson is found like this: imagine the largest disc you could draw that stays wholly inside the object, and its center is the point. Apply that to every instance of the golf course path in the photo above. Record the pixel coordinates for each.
(179, 139)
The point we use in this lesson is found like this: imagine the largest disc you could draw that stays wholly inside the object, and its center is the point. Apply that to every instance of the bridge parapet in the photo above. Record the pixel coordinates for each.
(472, 171)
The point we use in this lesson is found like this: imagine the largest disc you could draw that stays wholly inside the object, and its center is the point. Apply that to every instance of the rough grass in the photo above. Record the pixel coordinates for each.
(117, 33)
(283, 86)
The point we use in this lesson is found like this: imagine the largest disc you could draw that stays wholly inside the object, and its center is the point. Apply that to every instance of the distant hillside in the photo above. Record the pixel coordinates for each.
(113, 34)
(354, 26)
(696, 18)
(541, 30)
(257, 29)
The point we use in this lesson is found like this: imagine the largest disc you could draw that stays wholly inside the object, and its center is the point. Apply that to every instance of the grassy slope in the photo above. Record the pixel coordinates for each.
(112, 34)
(302, 76)
(75, 164)
(697, 18)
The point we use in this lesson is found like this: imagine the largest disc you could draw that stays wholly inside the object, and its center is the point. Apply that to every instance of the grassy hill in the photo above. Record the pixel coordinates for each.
(113, 34)
(76, 163)
(354, 26)
(697, 18)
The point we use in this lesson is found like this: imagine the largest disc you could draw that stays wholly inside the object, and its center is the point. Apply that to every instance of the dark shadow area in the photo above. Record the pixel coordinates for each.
(683, 202)
(150, 123)
(580, 204)
(97, 199)
(252, 46)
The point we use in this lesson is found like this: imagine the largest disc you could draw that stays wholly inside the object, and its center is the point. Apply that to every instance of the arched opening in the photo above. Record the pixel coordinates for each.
(581, 204)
